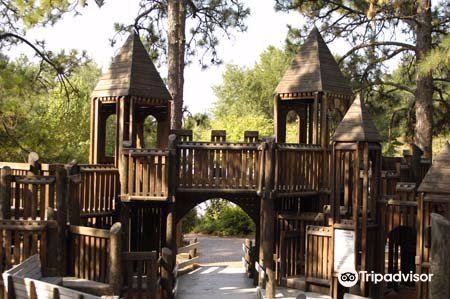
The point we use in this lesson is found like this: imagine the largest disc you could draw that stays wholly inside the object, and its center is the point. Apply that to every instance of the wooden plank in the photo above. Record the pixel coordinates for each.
(89, 231)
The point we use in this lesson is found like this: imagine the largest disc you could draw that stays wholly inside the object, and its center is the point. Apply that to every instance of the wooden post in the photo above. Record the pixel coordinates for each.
(73, 204)
(364, 216)
(279, 120)
(440, 257)
(35, 166)
(5, 193)
(61, 219)
(315, 118)
(167, 272)
(115, 271)
(125, 222)
(11, 294)
(92, 157)
(193, 252)
(51, 267)
(325, 137)
(268, 222)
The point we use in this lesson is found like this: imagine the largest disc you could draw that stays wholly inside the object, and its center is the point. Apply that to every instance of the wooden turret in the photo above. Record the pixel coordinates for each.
(131, 89)
(434, 197)
(314, 88)
(355, 192)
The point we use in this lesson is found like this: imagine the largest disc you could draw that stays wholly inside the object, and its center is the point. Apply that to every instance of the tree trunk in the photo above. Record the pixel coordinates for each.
(181, 60)
(173, 63)
(424, 82)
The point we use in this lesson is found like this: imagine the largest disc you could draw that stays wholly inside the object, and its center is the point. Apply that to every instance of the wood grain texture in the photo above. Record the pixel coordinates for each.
(314, 69)
(357, 125)
(132, 73)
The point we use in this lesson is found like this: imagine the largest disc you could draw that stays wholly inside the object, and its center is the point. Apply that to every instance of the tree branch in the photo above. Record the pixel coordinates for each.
(376, 44)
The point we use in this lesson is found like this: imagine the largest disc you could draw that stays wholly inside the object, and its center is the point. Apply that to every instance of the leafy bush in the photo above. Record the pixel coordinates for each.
(190, 221)
(225, 219)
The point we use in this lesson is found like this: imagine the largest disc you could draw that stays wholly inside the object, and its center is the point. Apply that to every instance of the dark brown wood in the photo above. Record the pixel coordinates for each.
(5, 192)
(267, 208)
(115, 266)
(313, 69)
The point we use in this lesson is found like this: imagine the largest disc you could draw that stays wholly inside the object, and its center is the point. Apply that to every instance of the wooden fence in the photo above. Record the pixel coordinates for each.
(20, 239)
(146, 173)
(291, 230)
(93, 255)
(319, 246)
(218, 165)
(299, 168)
(191, 252)
(140, 272)
(97, 191)
(26, 281)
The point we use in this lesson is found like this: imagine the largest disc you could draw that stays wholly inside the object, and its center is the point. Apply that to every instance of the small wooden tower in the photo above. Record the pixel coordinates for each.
(434, 197)
(314, 88)
(355, 193)
(131, 89)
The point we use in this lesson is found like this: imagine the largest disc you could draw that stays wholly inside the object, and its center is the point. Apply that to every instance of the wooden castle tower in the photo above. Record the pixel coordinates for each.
(302, 196)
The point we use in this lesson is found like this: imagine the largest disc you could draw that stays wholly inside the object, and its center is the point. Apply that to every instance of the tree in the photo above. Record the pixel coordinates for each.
(36, 116)
(245, 96)
(186, 28)
(376, 27)
(17, 16)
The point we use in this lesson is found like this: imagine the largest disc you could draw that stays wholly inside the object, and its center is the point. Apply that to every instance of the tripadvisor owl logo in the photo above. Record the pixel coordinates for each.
(348, 278)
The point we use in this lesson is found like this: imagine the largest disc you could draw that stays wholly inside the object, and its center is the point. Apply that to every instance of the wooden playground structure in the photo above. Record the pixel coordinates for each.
(108, 228)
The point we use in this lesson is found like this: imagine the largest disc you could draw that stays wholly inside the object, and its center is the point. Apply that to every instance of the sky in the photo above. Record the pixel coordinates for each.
(92, 30)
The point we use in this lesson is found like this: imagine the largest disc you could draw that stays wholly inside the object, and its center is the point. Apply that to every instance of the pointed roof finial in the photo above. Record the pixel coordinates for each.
(357, 125)
(436, 179)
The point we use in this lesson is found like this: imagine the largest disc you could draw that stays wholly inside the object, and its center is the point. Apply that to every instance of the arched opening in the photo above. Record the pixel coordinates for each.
(220, 226)
(150, 131)
(292, 127)
(110, 136)
(401, 245)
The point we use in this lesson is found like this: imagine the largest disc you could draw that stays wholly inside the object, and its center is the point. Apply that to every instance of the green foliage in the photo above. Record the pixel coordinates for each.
(33, 12)
(245, 96)
(36, 115)
(190, 221)
(226, 219)
(438, 59)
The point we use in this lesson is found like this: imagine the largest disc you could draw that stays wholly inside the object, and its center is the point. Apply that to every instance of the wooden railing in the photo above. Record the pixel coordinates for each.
(94, 254)
(249, 257)
(146, 174)
(191, 252)
(140, 273)
(299, 168)
(97, 192)
(218, 165)
(291, 230)
(26, 281)
(21, 239)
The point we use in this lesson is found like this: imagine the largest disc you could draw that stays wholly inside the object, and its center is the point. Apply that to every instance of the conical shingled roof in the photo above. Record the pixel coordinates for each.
(357, 125)
(437, 178)
(132, 73)
(314, 69)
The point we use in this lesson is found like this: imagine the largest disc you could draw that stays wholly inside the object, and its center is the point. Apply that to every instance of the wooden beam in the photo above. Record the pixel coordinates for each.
(268, 220)
(115, 264)
(315, 118)
(5, 193)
